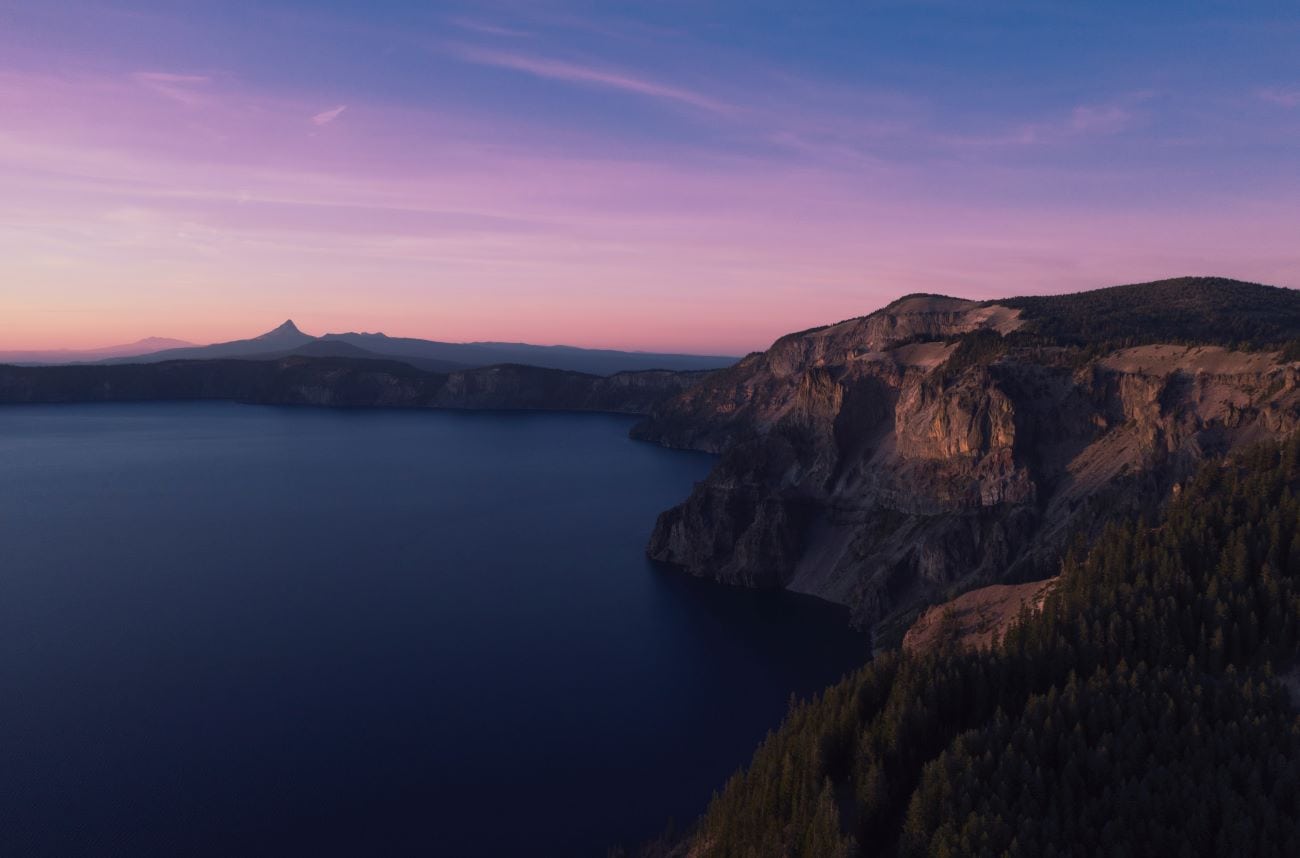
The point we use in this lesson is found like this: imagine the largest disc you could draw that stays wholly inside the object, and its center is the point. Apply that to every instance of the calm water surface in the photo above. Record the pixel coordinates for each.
(240, 630)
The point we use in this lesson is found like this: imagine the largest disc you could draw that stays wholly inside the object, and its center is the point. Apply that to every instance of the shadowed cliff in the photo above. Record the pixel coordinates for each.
(346, 382)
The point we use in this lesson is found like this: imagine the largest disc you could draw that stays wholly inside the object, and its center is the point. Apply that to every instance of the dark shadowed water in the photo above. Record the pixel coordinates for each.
(235, 630)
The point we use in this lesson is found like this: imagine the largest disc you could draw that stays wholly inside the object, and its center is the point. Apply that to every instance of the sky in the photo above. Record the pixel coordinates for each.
(676, 175)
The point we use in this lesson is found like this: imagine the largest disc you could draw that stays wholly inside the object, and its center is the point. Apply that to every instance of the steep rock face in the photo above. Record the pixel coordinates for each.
(755, 393)
(517, 386)
(871, 464)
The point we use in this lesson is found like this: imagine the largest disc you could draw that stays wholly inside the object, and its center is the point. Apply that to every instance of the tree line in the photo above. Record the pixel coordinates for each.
(1139, 712)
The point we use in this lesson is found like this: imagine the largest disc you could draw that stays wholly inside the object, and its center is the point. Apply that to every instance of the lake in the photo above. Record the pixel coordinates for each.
(245, 630)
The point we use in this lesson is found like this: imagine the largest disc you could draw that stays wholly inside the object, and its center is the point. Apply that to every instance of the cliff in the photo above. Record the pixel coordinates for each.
(896, 460)
(335, 381)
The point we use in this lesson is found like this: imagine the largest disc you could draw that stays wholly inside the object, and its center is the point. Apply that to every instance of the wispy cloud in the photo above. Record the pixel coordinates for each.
(804, 183)
(585, 75)
(476, 26)
(325, 117)
(181, 88)
(1103, 119)
(1083, 121)
(1284, 97)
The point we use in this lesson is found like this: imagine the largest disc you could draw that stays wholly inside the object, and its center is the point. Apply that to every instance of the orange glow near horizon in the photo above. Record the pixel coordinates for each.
(145, 194)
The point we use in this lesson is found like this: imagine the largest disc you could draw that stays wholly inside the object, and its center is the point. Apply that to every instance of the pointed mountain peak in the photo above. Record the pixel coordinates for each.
(286, 331)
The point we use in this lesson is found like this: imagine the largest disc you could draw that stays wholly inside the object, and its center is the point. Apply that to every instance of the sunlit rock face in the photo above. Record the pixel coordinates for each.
(871, 464)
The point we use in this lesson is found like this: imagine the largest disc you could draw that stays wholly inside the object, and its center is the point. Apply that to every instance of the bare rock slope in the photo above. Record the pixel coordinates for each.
(976, 619)
(896, 460)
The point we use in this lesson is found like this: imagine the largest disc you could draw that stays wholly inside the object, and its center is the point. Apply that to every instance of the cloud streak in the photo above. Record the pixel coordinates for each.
(589, 76)
(181, 88)
(1284, 97)
(325, 117)
(1103, 119)
(761, 192)
(476, 26)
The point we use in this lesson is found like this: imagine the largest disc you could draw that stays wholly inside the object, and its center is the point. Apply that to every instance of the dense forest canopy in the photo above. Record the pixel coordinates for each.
(1140, 713)
(1192, 310)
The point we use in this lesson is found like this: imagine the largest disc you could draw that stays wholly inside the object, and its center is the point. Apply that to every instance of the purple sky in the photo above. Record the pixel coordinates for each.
(672, 175)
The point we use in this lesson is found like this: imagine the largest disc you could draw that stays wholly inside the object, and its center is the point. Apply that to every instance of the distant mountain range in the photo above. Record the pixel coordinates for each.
(53, 356)
(287, 340)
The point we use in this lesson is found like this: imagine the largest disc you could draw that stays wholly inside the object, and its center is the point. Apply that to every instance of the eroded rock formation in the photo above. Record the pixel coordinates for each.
(938, 445)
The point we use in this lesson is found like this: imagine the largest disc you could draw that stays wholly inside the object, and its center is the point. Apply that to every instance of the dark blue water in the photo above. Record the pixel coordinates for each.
(239, 630)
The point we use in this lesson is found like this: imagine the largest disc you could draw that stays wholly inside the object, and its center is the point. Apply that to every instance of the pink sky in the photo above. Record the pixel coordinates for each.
(209, 205)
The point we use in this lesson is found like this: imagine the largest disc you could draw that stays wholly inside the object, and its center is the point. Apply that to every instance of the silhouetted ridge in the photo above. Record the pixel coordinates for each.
(287, 327)
(1192, 310)
(354, 379)
(431, 355)
(286, 334)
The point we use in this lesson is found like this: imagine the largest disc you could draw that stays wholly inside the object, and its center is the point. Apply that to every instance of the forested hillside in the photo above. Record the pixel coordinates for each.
(1138, 714)
(1189, 310)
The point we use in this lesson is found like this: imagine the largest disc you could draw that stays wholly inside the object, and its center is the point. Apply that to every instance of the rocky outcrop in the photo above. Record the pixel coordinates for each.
(888, 462)
(345, 382)
(976, 619)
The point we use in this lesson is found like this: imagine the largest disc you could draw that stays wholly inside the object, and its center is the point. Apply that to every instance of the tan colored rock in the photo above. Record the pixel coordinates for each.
(976, 619)
(856, 468)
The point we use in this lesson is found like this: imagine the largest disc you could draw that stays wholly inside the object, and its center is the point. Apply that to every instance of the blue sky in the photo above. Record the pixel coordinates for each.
(699, 176)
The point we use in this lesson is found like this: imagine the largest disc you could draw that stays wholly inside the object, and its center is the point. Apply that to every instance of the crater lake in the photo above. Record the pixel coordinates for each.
(244, 630)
